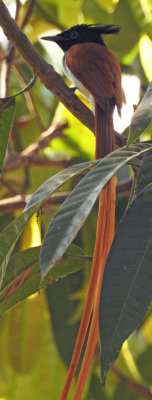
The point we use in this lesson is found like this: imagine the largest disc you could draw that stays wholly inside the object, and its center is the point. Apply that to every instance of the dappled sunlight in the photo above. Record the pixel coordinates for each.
(31, 236)
(131, 88)
(145, 49)
(129, 361)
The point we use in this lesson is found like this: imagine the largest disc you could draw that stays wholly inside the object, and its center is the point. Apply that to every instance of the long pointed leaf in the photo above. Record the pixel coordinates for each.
(25, 89)
(23, 274)
(48, 187)
(126, 291)
(145, 174)
(7, 110)
(8, 239)
(11, 233)
(141, 117)
(75, 209)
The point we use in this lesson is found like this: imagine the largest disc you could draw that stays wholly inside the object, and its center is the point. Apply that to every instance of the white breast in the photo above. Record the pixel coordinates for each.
(77, 83)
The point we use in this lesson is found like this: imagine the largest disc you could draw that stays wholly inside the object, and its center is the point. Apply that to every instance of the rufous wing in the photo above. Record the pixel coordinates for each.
(97, 68)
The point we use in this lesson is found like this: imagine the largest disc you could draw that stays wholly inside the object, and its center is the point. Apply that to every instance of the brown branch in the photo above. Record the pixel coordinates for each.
(141, 390)
(46, 73)
(9, 58)
(7, 61)
(18, 4)
(16, 161)
(8, 186)
(30, 157)
(28, 13)
(29, 98)
(52, 132)
(13, 203)
(19, 202)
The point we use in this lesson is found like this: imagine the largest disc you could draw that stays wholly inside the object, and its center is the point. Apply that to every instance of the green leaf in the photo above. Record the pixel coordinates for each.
(144, 177)
(129, 30)
(126, 291)
(48, 11)
(69, 11)
(27, 87)
(26, 344)
(142, 13)
(8, 239)
(7, 111)
(11, 233)
(62, 308)
(94, 13)
(73, 260)
(126, 392)
(75, 209)
(53, 183)
(108, 5)
(25, 329)
(96, 391)
(19, 263)
(23, 274)
(141, 118)
(145, 365)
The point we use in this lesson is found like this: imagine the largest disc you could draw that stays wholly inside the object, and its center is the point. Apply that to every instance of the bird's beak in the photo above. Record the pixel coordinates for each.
(51, 38)
(56, 38)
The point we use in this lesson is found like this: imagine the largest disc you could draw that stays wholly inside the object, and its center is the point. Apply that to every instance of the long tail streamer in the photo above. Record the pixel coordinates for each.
(104, 238)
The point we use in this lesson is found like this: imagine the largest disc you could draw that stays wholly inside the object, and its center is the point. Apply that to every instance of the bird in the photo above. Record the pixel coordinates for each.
(95, 72)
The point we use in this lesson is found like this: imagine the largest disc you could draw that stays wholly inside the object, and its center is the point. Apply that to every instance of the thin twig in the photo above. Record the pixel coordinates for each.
(30, 157)
(20, 161)
(141, 390)
(8, 186)
(18, 4)
(29, 98)
(28, 13)
(13, 203)
(7, 61)
(19, 202)
(52, 132)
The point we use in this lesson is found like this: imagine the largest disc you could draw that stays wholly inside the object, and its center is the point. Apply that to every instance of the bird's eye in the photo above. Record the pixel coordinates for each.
(73, 35)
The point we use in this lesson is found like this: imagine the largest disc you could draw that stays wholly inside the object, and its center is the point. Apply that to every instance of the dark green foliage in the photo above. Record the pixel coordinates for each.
(36, 342)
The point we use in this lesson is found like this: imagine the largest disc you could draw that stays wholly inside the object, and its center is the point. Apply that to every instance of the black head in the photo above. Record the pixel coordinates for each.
(82, 33)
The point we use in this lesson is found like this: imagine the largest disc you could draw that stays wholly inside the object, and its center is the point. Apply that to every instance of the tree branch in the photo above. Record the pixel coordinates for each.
(29, 11)
(50, 79)
(28, 96)
(46, 73)
(19, 201)
(54, 131)
(29, 156)
(7, 61)
(138, 388)
(21, 161)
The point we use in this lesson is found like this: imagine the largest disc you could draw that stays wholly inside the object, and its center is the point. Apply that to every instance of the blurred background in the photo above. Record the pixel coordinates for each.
(37, 336)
